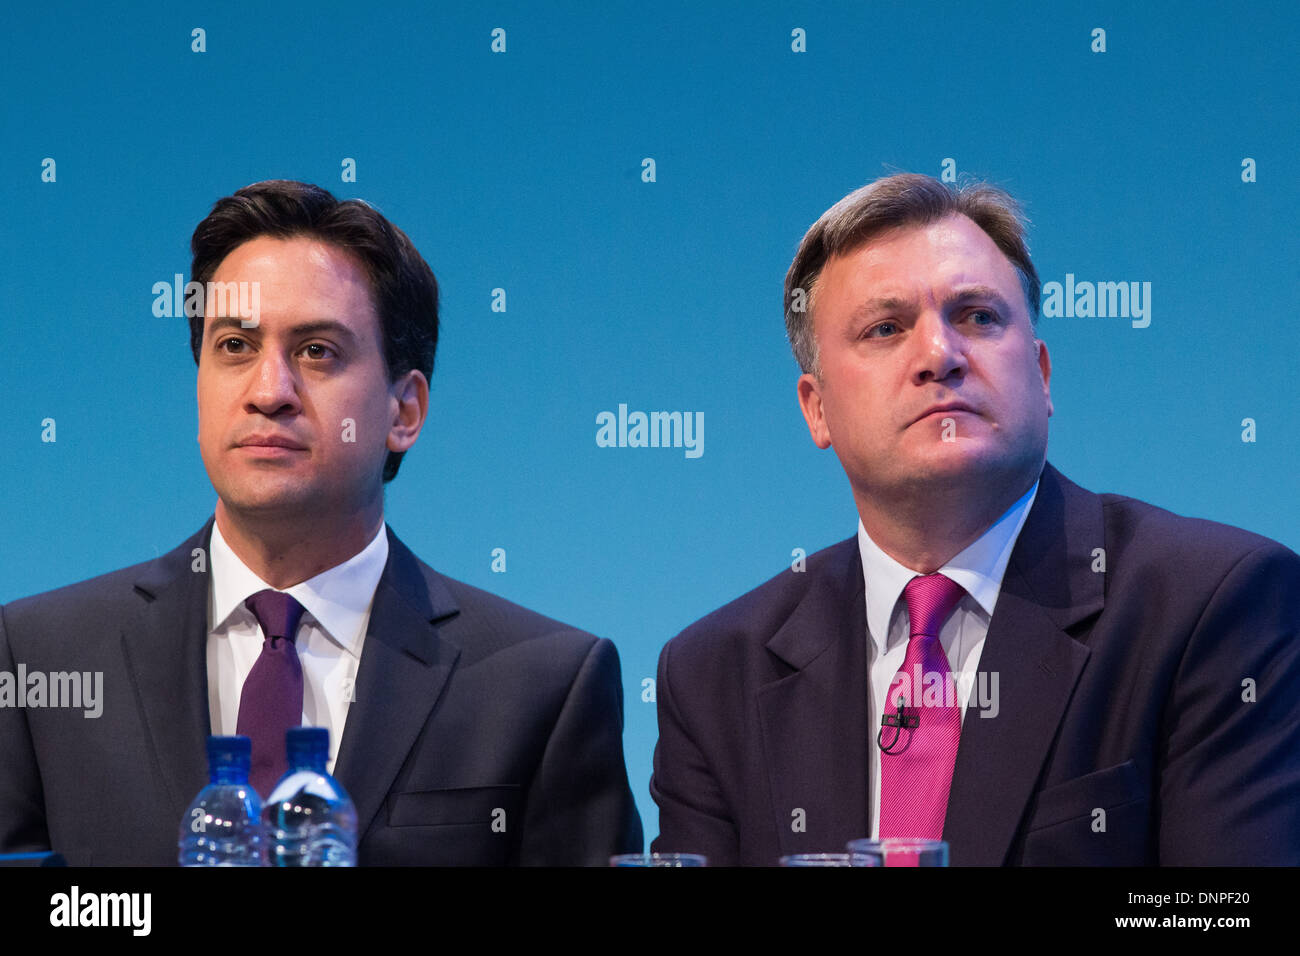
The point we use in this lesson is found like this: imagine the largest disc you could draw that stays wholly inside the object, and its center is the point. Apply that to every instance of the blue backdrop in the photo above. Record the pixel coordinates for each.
(1155, 152)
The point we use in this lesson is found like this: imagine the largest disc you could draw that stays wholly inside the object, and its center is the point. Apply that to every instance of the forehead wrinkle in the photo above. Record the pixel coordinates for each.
(890, 303)
(960, 293)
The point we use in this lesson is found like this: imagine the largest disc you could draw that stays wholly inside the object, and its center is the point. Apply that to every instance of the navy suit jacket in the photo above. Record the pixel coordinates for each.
(479, 732)
(1148, 713)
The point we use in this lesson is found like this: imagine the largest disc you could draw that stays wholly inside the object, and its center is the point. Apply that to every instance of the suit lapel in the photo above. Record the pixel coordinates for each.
(404, 668)
(813, 722)
(165, 654)
(1048, 588)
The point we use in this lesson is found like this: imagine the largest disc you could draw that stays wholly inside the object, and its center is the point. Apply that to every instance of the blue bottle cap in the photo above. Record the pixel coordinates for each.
(229, 759)
(307, 747)
(233, 750)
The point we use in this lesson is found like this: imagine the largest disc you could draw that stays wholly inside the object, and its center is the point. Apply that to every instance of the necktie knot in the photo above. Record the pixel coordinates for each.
(930, 599)
(277, 612)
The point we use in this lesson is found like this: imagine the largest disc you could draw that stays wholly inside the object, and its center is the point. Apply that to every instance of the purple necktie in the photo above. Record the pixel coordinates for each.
(917, 772)
(271, 701)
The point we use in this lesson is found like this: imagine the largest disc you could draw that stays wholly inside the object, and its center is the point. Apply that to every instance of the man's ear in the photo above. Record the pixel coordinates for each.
(810, 403)
(1045, 367)
(411, 392)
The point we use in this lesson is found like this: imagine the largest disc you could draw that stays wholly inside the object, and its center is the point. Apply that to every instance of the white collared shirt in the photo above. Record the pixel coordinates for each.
(979, 569)
(336, 605)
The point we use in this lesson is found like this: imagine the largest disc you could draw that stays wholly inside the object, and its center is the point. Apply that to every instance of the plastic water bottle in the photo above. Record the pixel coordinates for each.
(223, 826)
(309, 818)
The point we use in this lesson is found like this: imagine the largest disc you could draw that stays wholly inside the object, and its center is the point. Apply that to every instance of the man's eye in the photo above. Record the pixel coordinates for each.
(318, 351)
(991, 318)
(872, 332)
(225, 346)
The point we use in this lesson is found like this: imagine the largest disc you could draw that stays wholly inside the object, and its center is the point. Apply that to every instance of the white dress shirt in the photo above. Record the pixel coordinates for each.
(336, 606)
(979, 569)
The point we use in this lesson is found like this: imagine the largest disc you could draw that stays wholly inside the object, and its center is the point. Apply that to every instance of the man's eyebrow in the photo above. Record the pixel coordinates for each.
(886, 304)
(324, 326)
(313, 327)
(962, 294)
(967, 292)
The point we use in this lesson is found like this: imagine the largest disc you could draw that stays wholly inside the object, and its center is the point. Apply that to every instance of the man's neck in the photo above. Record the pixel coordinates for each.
(288, 551)
(926, 531)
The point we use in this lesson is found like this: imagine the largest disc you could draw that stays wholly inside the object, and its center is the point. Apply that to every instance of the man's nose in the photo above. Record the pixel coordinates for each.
(940, 348)
(274, 385)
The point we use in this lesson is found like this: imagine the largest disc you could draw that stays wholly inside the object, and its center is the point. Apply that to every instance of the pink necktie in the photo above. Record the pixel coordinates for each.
(916, 772)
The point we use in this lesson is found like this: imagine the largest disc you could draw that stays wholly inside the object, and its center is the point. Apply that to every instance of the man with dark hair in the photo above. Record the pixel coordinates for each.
(468, 730)
(998, 658)
(403, 291)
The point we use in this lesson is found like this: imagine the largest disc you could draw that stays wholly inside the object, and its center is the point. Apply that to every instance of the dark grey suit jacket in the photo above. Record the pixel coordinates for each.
(1127, 691)
(465, 705)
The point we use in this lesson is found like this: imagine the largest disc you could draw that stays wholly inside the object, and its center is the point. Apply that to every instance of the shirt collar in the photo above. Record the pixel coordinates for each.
(338, 599)
(978, 568)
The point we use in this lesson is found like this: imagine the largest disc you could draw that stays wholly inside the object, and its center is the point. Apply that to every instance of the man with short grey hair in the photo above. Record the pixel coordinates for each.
(998, 658)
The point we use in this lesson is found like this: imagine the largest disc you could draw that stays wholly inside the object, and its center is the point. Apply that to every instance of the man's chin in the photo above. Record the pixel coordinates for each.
(278, 503)
(955, 457)
(975, 464)
(963, 463)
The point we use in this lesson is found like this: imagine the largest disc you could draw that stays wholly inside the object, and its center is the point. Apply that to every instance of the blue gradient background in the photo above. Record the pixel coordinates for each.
(523, 170)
